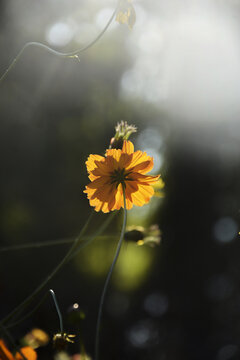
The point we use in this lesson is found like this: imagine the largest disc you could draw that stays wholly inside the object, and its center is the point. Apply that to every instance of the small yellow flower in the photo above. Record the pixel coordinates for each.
(126, 13)
(120, 168)
(60, 341)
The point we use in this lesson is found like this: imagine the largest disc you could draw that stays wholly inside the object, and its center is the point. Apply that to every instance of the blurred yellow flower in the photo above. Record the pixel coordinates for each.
(158, 187)
(143, 236)
(120, 168)
(126, 13)
(36, 338)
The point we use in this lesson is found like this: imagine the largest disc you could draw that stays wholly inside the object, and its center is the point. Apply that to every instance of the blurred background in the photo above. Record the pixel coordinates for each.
(176, 76)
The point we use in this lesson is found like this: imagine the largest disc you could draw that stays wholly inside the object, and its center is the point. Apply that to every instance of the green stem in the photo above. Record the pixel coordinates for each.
(109, 277)
(86, 241)
(50, 276)
(94, 236)
(58, 310)
(43, 244)
(36, 245)
(74, 53)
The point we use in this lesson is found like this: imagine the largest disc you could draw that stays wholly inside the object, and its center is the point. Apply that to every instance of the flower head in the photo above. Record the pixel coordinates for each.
(36, 338)
(126, 13)
(60, 341)
(120, 169)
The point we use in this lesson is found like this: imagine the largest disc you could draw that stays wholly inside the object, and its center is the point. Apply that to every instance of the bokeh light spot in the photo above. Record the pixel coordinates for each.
(144, 334)
(150, 138)
(60, 34)
(103, 16)
(133, 267)
(225, 230)
(156, 304)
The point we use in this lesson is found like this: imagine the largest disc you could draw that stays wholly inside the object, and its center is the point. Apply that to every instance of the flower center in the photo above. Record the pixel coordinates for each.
(119, 176)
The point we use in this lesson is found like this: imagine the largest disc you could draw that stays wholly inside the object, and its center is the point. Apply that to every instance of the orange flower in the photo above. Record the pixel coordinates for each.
(27, 351)
(118, 169)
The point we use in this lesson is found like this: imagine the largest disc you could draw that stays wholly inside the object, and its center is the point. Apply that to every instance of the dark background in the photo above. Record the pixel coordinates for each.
(178, 300)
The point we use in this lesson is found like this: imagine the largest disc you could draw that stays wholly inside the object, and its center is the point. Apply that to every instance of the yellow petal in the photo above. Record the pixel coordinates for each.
(140, 178)
(143, 195)
(128, 147)
(102, 197)
(90, 163)
(141, 162)
(126, 13)
(101, 181)
(103, 168)
(118, 198)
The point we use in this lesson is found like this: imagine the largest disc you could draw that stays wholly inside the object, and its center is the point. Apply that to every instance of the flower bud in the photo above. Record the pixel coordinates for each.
(123, 131)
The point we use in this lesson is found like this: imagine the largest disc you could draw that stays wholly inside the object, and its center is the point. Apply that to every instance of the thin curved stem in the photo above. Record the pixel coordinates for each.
(109, 277)
(37, 245)
(86, 241)
(73, 54)
(94, 236)
(50, 276)
(58, 310)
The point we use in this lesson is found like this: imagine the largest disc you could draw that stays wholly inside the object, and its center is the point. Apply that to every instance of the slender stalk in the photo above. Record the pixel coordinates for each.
(73, 54)
(50, 276)
(37, 245)
(94, 236)
(58, 310)
(85, 242)
(109, 277)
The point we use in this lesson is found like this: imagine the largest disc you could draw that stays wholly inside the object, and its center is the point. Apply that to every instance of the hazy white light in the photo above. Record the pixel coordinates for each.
(187, 61)
(103, 17)
(151, 39)
(141, 17)
(225, 230)
(86, 32)
(131, 83)
(150, 137)
(143, 80)
(157, 158)
(201, 64)
(60, 34)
